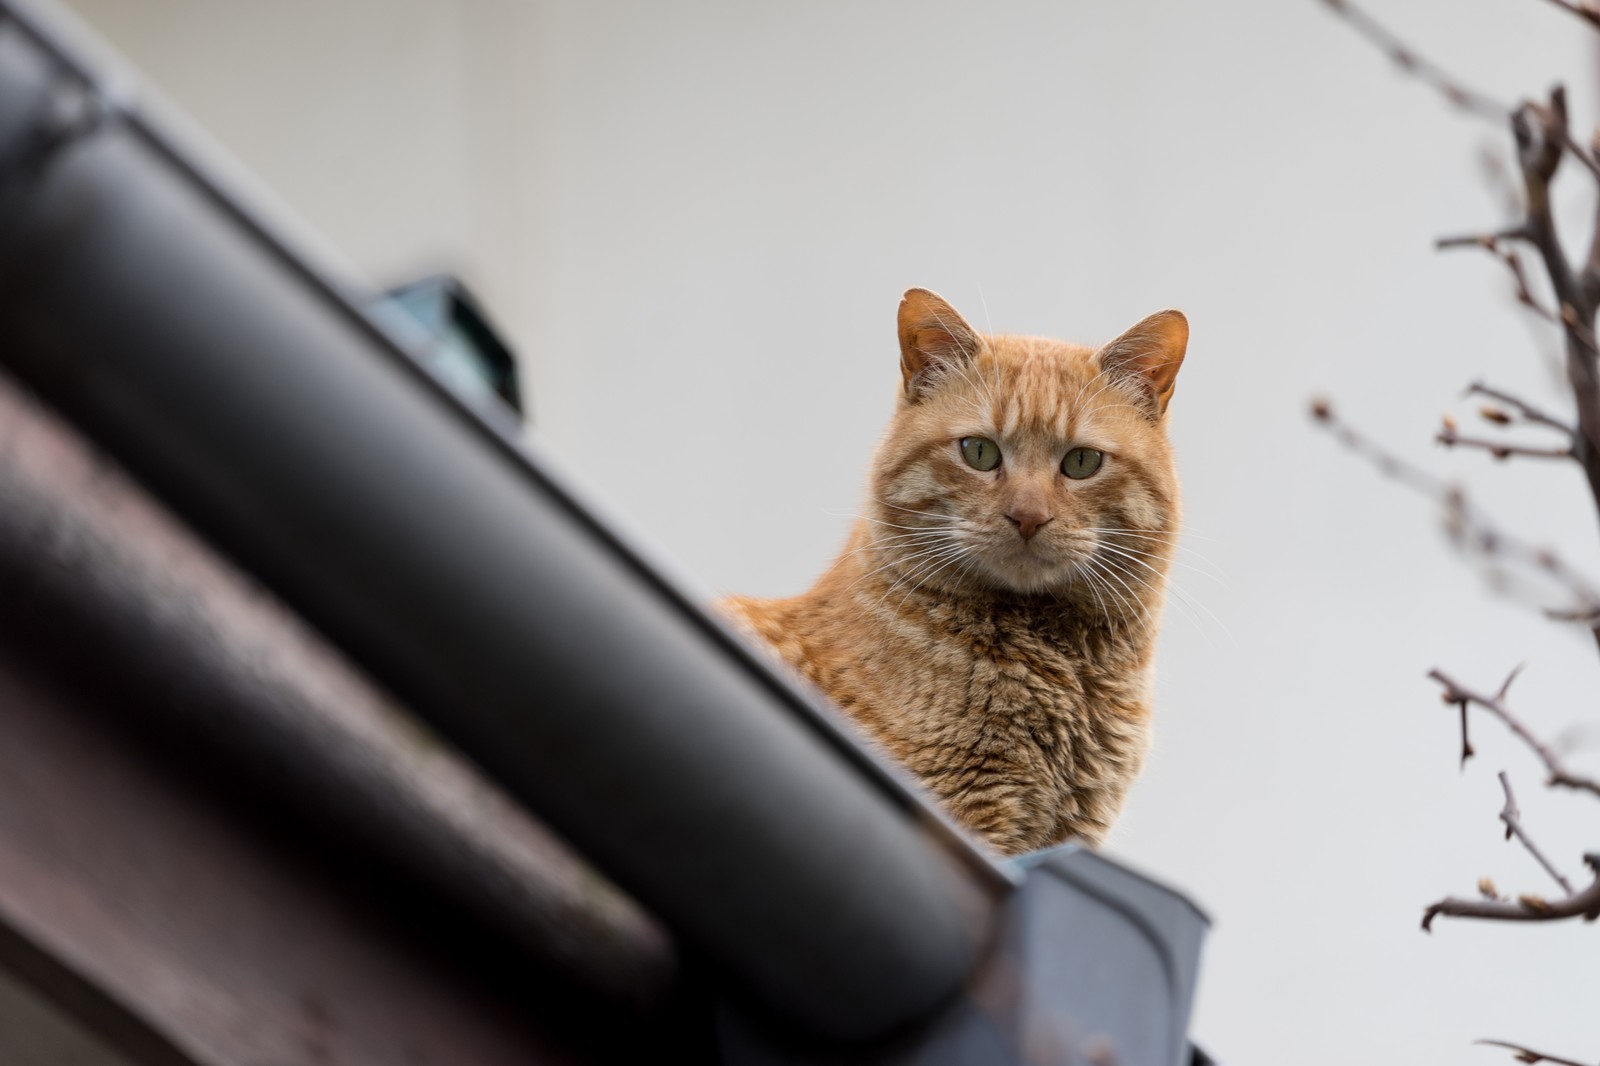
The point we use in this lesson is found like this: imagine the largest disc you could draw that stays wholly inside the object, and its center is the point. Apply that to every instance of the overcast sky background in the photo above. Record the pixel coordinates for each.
(695, 219)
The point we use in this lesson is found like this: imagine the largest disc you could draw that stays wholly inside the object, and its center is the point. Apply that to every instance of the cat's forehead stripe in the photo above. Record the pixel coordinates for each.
(1044, 386)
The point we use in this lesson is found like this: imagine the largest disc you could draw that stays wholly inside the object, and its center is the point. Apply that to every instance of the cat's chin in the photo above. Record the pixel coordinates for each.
(1027, 571)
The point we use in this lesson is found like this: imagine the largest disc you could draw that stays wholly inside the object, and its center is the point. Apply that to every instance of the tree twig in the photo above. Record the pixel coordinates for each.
(1589, 280)
(1424, 70)
(1387, 463)
(1541, 135)
(1450, 437)
(1524, 1054)
(1512, 817)
(1518, 232)
(1559, 775)
(1529, 908)
(1528, 412)
(1584, 9)
(1451, 88)
(1494, 244)
(1467, 526)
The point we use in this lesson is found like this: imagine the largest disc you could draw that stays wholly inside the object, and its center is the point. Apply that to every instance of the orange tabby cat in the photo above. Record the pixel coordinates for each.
(992, 620)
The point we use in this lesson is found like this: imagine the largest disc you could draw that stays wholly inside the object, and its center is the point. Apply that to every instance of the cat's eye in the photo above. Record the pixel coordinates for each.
(1081, 462)
(981, 453)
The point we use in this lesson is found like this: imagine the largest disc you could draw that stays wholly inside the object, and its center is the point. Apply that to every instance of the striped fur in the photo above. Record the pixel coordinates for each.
(1010, 674)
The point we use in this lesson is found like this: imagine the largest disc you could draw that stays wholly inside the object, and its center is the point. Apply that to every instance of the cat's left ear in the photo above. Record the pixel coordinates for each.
(1150, 354)
(933, 339)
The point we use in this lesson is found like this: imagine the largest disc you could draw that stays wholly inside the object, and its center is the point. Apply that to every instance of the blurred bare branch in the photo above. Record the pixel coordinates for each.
(1450, 437)
(1468, 528)
(1512, 817)
(1527, 411)
(1526, 908)
(1559, 776)
(1584, 9)
(1542, 135)
(1409, 60)
(1527, 1055)
(1495, 244)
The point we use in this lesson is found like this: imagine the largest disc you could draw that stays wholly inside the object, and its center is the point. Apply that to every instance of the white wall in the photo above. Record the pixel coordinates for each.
(696, 218)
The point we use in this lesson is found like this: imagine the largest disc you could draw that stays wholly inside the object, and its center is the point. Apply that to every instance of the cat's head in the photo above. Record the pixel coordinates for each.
(1028, 466)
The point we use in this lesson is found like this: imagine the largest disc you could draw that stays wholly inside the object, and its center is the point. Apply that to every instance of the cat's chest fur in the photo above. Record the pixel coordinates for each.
(1027, 724)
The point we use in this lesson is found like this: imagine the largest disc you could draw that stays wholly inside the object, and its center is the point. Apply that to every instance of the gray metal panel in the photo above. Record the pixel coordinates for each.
(143, 303)
(1094, 964)
(1112, 958)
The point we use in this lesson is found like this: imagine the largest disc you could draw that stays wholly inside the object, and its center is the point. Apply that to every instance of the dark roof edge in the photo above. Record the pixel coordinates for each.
(186, 338)
(95, 572)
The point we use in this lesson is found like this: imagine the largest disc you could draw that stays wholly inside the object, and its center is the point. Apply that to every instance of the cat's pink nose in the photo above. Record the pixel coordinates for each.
(1027, 519)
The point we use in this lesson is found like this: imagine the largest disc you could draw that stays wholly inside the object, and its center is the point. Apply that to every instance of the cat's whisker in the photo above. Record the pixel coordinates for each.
(1177, 563)
(1168, 539)
(1077, 401)
(912, 510)
(907, 555)
(897, 525)
(1160, 539)
(1118, 378)
(926, 575)
(1197, 610)
(1127, 598)
(1196, 607)
(879, 539)
(899, 540)
(1188, 533)
(902, 541)
(1148, 583)
(1148, 611)
(906, 560)
(893, 622)
(1133, 556)
(1096, 583)
(961, 367)
(1113, 380)
(988, 324)
(986, 404)
(1142, 558)
(966, 563)
(934, 538)
(1101, 391)
(1180, 596)
(1144, 534)
(1143, 551)
(931, 562)
(936, 516)
(1158, 576)
(968, 566)
(865, 518)
(1082, 569)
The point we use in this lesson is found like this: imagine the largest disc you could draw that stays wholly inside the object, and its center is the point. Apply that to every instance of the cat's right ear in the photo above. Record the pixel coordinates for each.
(933, 339)
(1150, 354)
